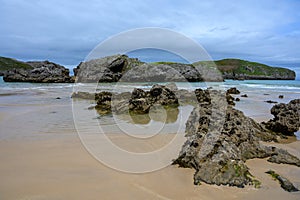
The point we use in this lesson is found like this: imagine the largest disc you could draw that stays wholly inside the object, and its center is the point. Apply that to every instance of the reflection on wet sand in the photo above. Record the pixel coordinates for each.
(157, 113)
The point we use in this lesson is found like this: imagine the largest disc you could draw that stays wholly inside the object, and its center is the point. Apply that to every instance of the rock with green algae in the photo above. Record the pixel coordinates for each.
(219, 141)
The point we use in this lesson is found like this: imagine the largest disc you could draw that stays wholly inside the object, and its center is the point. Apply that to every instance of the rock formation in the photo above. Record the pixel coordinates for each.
(107, 69)
(245, 70)
(284, 182)
(41, 72)
(286, 118)
(219, 141)
(122, 68)
(233, 91)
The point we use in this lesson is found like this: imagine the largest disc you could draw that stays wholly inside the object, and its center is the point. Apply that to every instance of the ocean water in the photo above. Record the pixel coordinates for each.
(37, 111)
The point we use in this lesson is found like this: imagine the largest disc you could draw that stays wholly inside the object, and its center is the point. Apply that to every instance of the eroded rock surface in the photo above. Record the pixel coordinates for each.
(286, 118)
(219, 141)
(42, 72)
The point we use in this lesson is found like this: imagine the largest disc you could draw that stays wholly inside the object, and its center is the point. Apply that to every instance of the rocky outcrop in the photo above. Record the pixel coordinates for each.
(141, 101)
(122, 68)
(284, 182)
(286, 118)
(7, 64)
(219, 141)
(41, 72)
(136, 102)
(245, 70)
(170, 72)
(107, 69)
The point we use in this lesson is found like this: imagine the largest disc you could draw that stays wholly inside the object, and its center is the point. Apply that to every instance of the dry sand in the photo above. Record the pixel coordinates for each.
(63, 169)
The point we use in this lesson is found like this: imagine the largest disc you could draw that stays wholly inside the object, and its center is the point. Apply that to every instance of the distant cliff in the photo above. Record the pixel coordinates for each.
(34, 71)
(243, 70)
(9, 64)
(122, 68)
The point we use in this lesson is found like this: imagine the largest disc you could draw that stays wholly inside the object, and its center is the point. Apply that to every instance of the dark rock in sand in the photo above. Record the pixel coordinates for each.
(42, 72)
(270, 101)
(219, 141)
(141, 101)
(244, 95)
(280, 96)
(286, 118)
(233, 91)
(284, 182)
(237, 99)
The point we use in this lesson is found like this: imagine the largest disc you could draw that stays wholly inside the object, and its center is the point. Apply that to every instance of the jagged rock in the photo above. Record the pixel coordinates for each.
(286, 118)
(42, 72)
(219, 141)
(281, 156)
(284, 182)
(107, 69)
(233, 91)
(141, 101)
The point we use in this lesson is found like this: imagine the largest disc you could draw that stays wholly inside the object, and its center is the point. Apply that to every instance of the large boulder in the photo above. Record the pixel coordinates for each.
(107, 69)
(286, 118)
(42, 72)
(219, 141)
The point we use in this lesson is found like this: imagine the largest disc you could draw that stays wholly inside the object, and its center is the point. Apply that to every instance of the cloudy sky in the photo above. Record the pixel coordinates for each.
(66, 31)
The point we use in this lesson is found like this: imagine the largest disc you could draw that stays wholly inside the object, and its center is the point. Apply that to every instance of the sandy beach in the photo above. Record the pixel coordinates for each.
(42, 157)
(63, 169)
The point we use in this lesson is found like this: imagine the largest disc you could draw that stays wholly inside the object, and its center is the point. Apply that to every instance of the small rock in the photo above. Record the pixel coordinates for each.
(58, 98)
(284, 182)
(280, 96)
(237, 99)
(233, 91)
(244, 95)
(270, 101)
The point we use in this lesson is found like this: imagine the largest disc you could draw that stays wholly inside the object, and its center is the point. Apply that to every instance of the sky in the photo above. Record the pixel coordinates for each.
(66, 31)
